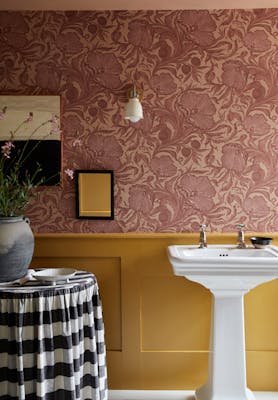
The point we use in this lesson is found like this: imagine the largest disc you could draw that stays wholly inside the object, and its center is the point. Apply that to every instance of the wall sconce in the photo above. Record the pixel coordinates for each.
(133, 109)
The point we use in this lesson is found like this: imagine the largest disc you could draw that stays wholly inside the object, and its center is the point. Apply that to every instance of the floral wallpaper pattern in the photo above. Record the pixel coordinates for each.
(207, 148)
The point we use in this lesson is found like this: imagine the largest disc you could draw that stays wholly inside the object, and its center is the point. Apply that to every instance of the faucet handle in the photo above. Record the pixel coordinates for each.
(203, 239)
(240, 237)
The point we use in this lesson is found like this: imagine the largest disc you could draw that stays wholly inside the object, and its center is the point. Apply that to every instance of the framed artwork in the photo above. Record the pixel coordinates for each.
(32, 123)
(95, 194)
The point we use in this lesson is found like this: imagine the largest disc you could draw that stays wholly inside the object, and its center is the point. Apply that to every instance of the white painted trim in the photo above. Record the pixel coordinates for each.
(150, 394)
(171, 395)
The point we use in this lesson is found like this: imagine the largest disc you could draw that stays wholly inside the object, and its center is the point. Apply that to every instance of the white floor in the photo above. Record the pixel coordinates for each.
(171, 395)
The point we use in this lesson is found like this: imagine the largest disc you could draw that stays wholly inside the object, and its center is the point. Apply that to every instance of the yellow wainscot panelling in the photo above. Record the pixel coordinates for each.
(261, 317)
(173, 370)
(181, 307)
(157, 325)
(262, 370)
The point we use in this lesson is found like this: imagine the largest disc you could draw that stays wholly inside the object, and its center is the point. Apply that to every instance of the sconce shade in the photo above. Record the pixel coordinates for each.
(134, 110)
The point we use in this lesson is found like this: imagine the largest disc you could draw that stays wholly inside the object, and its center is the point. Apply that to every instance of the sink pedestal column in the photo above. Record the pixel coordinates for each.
(228, 272)
(227, 370)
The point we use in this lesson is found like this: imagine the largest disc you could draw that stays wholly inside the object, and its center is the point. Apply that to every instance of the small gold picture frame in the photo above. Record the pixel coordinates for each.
(95, 194)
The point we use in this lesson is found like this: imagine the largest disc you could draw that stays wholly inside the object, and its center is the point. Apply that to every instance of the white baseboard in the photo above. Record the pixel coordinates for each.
(150, 394)
(171, 395)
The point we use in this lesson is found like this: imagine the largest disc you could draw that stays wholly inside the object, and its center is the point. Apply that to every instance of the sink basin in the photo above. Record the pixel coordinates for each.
(225, 266)
(229, 273)
(216, 251)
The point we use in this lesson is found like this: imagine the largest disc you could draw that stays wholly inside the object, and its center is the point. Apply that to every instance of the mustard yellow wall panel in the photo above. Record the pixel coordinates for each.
(262, 367)
(182, 310)
(261, 318)
(157, 325)
(160, 369)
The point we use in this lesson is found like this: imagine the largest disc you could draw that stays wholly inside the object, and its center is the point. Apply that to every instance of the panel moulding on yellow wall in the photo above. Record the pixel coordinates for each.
(157, 324)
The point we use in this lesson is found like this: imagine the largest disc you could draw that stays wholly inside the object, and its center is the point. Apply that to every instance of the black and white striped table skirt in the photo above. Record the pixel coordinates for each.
(52, 342)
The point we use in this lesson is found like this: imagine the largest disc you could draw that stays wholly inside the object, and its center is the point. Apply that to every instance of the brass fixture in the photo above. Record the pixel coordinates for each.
(203, 237)
(240, 237)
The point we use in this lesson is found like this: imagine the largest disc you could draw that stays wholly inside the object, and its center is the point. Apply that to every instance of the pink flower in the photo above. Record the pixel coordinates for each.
(55, 127)
(198, 25)
(77, 143)
(54, 119)
(6, 149)
(69, 173)
(234, 74)
(3, 113)
(199, 109)
(30, 117)
(256, 124)
(257, 41)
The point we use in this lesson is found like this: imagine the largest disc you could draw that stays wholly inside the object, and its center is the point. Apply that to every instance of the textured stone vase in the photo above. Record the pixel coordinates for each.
(16, 247)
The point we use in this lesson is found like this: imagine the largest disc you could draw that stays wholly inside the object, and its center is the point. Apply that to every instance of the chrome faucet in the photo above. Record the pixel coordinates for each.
(203, 237)
(240, 237)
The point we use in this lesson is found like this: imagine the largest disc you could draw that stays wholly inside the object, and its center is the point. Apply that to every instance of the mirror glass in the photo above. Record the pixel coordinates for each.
(95, 194)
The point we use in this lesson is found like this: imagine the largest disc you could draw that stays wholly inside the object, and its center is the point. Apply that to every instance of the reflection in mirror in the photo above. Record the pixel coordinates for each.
(95, 194)
(33, 123)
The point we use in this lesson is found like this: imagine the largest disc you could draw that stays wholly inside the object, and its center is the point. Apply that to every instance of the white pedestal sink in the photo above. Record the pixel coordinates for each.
(229, 273)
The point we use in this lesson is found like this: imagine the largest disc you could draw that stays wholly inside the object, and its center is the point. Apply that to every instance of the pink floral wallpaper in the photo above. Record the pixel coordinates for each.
(207, 149)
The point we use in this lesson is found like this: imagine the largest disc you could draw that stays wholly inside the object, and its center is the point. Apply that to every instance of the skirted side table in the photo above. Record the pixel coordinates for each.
(52, 341)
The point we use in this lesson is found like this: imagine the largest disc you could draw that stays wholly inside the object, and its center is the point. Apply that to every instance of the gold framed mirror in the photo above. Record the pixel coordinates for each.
(95, 194)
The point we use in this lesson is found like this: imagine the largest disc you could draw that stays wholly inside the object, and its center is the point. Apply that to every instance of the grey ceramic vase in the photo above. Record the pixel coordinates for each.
(16, 247)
